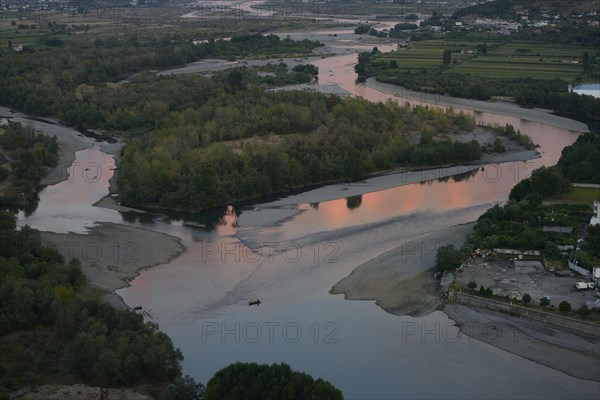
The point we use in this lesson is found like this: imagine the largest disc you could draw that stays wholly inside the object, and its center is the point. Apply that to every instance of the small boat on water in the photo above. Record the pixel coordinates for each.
(254, 303)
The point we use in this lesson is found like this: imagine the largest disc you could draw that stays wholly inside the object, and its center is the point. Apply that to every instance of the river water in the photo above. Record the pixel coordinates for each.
(289, 252)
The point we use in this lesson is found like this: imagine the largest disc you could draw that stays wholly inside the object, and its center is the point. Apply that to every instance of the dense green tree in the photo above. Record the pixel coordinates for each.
(447, 257)
(583, 310)
(586, 62)
(581, 163)
(277, 381)
(544, 181)
(564, 306)
(446, 56)
(362, 29)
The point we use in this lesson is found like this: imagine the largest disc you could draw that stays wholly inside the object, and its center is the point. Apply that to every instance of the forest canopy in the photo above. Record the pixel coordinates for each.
(237, 146)
(75, 332)
(252, 381)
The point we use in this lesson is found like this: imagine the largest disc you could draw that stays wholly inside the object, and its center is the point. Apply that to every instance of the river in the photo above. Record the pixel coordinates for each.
(289, 252)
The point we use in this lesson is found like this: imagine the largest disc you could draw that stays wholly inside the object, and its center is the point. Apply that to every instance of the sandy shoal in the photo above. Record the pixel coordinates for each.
(112, 254)
(400, 280)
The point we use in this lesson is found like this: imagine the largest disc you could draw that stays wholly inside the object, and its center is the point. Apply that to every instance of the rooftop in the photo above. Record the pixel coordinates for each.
(587, 86)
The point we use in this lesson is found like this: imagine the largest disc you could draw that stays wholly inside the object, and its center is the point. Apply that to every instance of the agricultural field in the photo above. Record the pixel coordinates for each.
(527, 60)
(25, 37)
(577, 195)
(506, 60)
(426, 54)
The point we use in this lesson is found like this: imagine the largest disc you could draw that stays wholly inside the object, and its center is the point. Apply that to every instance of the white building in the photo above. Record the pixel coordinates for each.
(595, 220)
(591, 89)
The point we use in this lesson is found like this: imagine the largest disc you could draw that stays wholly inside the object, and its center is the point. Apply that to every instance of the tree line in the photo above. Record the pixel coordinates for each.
(26, 156)
(57, 81)
(527, 92)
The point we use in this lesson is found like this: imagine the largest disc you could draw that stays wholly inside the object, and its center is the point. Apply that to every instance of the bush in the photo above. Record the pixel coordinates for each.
(544, 301)
(526, 298)
(583, 310)
(183, 389)
(472, 285)
(564, 306)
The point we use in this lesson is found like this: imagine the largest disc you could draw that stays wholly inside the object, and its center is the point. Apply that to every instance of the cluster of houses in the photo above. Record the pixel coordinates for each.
(34, 5)
(523, 18)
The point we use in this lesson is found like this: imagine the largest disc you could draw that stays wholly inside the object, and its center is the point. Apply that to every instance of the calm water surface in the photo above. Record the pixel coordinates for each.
(289, 252)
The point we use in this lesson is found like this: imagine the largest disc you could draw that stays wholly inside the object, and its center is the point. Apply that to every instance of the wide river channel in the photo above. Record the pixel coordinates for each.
(289, 252)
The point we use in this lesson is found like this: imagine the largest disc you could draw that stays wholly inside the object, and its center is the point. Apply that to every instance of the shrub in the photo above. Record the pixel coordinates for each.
(564, 306)
(583, 310)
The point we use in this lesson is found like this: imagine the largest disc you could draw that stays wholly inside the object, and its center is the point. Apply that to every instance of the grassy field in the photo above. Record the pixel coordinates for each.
(526, 59)
(426, 54)
(506, 60)
(579, 196)
(25, 37)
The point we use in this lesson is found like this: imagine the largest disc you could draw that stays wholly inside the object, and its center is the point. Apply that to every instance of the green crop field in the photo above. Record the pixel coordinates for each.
(506, 60)
(578, 196)
(25, 37)
(494, 66)
(538, 49)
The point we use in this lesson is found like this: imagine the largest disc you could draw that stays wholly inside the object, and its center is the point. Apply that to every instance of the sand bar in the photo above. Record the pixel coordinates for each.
(400, 280)
(112, 254)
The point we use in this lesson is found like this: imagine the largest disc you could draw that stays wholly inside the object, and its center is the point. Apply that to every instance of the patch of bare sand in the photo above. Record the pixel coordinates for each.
(112, 254)
(538, 342)
(401, 280)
